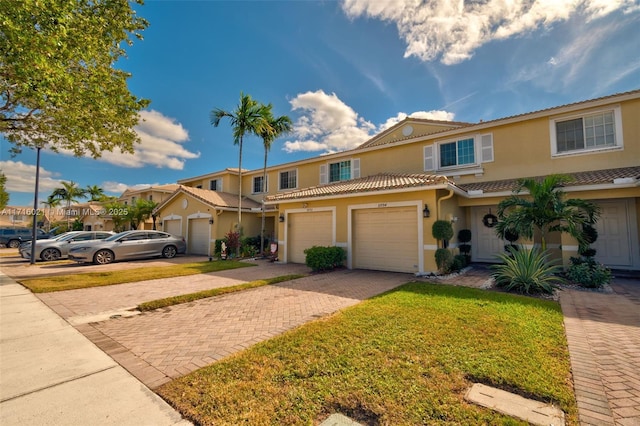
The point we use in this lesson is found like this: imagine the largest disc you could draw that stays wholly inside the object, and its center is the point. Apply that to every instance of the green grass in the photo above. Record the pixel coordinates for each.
(97, 279)
(185, 298)
(406, 357)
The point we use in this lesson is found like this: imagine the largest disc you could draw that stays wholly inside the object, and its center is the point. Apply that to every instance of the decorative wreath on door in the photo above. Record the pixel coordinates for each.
(490, 220)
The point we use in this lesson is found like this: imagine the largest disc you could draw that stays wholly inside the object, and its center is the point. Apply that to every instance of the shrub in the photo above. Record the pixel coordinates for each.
(442, 230)
(444, 260)
(232, 240)
(459, 262)
(588, 273)
(324, 258)
(526, 271)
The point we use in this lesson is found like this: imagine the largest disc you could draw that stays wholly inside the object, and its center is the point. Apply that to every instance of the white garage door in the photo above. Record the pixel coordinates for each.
(198, 242)
(386, 239)
(306, 230)
(173, 227)
(614, 245)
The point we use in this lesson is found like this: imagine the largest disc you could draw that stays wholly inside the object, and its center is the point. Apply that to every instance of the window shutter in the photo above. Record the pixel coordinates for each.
(486, 146)
(428, 158)
(324, 178)
(355, 168)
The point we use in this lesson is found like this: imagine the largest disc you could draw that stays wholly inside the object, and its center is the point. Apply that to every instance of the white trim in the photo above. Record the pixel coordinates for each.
(266, 186)
(419, 218)
(617, 122)
(286, 214)
(288, 171)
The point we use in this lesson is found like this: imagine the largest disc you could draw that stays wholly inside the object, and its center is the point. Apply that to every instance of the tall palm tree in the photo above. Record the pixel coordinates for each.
(95, 193)
(545, 210)
(50, 204)
(70, 192)
(248, 118)
(278, 126)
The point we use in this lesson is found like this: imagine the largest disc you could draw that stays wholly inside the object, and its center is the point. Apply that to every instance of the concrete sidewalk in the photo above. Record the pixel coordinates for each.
(51, 374)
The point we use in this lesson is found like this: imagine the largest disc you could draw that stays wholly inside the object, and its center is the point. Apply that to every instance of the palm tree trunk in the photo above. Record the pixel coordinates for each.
(264, 185)
(239, 197)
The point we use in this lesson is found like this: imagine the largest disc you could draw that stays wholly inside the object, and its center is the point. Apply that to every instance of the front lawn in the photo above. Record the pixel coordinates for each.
(406, 357)
(97, 279)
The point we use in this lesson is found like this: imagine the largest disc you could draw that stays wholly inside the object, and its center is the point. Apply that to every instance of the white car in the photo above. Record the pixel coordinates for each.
(59, 247)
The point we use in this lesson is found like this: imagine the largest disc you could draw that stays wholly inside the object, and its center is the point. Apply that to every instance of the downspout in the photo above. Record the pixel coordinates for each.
(446, 197)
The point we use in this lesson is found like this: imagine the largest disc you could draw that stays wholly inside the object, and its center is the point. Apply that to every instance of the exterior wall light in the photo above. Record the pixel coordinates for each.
(426, 213)
(281, 218)
(211, 221)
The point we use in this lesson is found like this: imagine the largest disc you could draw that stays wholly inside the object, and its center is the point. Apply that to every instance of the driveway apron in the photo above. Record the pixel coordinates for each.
(161, 345)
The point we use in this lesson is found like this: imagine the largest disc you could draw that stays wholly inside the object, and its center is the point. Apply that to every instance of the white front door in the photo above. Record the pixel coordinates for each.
(614, 245)
(485, 244)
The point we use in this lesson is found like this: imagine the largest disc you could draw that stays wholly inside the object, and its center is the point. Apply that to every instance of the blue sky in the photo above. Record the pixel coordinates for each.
(343, 71)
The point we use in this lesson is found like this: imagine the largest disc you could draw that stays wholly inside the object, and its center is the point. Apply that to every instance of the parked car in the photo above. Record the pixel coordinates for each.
(13, 236)
(59, 246)
(129, 245)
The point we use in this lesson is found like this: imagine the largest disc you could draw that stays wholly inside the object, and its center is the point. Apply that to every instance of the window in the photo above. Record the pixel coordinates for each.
(339, 171)
(589, 132)
(457, 153)
(288, 180)
(257, 184)
(215, 185)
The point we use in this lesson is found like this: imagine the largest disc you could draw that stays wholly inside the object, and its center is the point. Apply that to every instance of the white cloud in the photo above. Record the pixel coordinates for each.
(21, 177)
(161, 140)
(453, 30)
(329, 125)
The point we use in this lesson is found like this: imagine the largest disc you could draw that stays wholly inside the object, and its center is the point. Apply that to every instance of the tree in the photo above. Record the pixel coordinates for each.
(118, 212)
(248, 118)
(545, 210)
(69, 193)
(51, 203)
(140, 212)
(276, 127)
(4, 195)
(58, 84)
(95, 193)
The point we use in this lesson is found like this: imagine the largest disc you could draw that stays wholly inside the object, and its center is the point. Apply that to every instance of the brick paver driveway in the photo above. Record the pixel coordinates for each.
(159, 346)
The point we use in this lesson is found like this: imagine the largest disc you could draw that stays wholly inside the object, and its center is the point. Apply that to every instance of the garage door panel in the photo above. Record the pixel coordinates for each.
(305, 230)
(386, 239)
(173, 227)
(198, 241)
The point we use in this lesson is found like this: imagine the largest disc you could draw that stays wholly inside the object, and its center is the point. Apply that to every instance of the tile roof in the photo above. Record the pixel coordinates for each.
(379, 182)
(218, 199)
(596, 177)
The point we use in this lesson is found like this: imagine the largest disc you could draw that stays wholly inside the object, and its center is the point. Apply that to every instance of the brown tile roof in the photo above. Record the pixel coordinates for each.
(378, 140)
(596, 177)
(379, 182)
(218, 199)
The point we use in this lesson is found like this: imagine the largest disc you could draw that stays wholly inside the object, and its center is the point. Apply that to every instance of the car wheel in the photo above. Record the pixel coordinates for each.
(50, 254)
(13, 243)
(169, 251)
(102, 257)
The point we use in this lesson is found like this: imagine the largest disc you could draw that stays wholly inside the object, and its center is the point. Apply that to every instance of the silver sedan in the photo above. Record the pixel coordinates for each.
(58, 247)
(129, 245)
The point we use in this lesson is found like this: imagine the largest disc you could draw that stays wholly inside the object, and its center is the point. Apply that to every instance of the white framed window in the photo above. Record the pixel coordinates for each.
(458, 153)
(215, 184)
(340, 170)
(593, 131)
(288, 180)
(257, 184)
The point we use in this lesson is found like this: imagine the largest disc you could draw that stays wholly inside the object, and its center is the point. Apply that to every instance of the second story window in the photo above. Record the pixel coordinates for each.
(215, 185)
(288, 180)
(457, 153)
(340, 171)
(257, 185)
(590, 132)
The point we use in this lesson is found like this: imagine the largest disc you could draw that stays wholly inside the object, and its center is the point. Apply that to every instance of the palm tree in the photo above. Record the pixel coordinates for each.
(95, 193)
(545, 210)
(277, 127)
(141, 211)
(248, 118)
(70, 192)
(50, 204)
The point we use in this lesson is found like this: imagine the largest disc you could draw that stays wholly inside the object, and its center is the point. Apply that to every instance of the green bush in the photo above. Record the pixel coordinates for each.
(444, 260)
(588, 273)
(459, 262)
(442, 230)
(324, 258)
(526, 271)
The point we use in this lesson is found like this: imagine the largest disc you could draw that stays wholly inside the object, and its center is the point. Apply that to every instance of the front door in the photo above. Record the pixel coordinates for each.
(485, 244)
